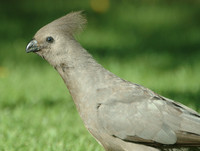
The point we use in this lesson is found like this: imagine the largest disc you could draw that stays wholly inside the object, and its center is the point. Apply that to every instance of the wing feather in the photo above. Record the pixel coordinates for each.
(149, 117)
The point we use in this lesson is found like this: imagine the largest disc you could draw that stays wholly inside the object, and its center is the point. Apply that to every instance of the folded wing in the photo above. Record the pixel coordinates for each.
(149, 119)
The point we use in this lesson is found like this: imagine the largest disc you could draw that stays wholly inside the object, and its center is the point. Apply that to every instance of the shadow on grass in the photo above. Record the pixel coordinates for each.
(186, 98)
(47, 102)
(137, 32)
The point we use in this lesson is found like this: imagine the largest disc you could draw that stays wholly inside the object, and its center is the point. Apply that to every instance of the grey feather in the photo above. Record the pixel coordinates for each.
(122, 116)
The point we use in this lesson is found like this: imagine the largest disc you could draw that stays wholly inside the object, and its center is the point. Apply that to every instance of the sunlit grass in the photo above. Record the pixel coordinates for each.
(37, 112)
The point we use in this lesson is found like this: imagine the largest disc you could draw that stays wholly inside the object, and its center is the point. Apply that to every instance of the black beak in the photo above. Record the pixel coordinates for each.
(32, 46)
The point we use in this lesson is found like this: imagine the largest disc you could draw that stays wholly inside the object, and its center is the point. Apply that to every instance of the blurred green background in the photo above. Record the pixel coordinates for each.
(155, 43)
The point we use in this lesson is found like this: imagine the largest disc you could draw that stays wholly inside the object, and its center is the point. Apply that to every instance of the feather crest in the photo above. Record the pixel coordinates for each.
(68, 24)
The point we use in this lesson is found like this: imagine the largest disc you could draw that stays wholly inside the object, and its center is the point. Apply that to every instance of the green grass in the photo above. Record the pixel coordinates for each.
(152, 43)
(37, 112)
(33, 119)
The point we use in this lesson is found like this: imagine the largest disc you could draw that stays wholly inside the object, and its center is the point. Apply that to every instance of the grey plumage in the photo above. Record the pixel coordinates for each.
(122, 116)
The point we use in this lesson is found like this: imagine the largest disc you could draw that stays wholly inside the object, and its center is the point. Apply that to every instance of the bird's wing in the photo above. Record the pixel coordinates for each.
(140, 115)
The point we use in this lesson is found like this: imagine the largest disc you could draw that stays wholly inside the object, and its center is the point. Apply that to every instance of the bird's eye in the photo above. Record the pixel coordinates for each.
(49, 39)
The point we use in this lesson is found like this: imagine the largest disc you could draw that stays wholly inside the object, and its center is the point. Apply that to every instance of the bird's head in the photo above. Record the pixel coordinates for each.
(50, 39)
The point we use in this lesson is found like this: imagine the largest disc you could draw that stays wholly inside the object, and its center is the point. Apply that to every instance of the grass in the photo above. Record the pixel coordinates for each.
(37, 112)
(31, 119)
(153, 44)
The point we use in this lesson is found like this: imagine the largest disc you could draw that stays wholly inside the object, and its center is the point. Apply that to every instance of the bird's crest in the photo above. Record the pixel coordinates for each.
(69, 24)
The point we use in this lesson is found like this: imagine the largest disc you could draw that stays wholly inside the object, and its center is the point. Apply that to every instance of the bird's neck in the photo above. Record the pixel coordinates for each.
(82, 75)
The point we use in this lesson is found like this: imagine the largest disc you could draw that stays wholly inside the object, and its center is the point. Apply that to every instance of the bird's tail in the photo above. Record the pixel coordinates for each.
(189, 133)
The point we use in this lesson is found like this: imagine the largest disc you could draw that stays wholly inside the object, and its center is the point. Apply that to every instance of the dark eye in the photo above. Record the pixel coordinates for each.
(49, 39)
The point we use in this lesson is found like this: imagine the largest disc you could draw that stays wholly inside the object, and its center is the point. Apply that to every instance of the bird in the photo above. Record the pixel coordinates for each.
(120, 115)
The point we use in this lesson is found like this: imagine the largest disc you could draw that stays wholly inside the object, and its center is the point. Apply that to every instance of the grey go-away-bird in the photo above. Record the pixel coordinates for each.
(121, 115)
